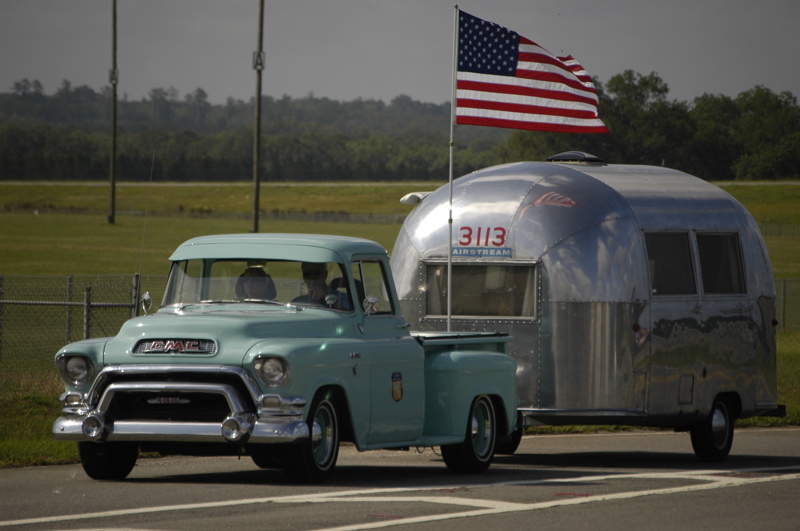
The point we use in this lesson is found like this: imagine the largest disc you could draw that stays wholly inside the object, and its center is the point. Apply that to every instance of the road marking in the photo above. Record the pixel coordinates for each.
(715, 480)
(712, 479)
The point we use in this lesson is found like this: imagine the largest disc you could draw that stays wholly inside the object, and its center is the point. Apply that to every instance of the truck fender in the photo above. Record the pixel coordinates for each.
(454, 378)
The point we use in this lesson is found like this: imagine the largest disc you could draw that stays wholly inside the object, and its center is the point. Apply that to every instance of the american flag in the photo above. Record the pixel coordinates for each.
(506, 80)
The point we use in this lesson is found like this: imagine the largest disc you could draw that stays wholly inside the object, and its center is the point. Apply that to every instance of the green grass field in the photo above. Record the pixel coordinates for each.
(61, 229)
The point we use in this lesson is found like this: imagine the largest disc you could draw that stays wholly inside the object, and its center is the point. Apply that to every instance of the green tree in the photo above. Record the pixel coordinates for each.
(198, 108)
(646, 127)
(714, 147)
(768, 130)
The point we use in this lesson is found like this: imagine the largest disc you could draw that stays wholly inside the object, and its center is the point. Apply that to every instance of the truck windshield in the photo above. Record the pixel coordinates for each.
(322, 284)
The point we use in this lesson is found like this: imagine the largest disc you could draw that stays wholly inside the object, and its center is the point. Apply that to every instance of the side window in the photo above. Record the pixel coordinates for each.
(721, 263)
(370, 280)
(185, 283)
(670, 259)
(483, 290)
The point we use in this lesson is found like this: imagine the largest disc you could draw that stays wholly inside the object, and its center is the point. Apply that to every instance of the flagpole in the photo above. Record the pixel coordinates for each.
(450, 178)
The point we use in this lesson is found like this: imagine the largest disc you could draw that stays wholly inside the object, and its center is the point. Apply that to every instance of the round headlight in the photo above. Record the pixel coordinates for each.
(272, 371)
(76, 370)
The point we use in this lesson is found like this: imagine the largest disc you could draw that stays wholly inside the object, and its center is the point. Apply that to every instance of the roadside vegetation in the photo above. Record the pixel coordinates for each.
(66, 134)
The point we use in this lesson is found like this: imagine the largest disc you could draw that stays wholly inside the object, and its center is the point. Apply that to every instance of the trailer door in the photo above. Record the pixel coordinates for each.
(676, 321)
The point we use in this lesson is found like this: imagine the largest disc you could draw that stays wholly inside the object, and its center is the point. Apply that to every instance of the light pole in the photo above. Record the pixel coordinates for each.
(113, 77)
(258, 66)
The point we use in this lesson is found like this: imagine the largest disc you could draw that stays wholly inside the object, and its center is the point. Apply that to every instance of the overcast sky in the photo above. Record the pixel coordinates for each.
(378, 49)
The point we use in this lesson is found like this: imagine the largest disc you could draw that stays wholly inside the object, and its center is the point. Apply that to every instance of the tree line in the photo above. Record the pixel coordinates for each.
(66, 136)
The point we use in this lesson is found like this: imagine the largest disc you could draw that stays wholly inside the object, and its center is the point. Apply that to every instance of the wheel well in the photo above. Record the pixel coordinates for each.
(337, 396)
(734, 403)
(499, 415)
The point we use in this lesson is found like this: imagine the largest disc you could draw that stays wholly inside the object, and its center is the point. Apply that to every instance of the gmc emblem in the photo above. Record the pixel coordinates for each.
(175, 346)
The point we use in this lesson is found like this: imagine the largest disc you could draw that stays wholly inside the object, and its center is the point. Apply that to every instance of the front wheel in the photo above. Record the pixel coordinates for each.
(713, 437)
(475, 453)
(108, 461)
(313, 460)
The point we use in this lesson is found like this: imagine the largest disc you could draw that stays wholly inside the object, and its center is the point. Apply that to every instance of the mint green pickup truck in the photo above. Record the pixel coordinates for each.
(280, 347)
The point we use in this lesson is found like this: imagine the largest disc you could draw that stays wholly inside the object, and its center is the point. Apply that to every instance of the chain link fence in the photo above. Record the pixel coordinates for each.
(39, 315)
(787, 303)
(780, 230)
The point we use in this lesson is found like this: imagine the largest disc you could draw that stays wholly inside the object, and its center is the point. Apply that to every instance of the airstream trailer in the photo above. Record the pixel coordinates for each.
(636, 295)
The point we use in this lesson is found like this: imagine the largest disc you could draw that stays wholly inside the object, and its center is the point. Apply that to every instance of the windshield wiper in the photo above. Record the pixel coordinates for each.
(264, 301)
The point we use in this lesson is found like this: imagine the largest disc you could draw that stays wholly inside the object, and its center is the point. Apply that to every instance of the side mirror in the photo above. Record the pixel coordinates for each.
(147, 302)
(370, 304)
(331, 299)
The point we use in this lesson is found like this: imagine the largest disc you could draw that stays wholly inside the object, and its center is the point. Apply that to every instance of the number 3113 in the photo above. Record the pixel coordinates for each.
(481, 236)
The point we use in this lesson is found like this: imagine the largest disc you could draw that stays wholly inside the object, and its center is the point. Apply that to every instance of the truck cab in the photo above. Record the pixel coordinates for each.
(280, 346)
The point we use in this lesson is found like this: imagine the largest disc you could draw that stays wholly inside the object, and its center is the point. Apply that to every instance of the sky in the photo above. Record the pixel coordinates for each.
(379, 49)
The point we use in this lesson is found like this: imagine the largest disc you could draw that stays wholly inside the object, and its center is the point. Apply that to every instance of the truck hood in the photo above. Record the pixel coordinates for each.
(217, 334)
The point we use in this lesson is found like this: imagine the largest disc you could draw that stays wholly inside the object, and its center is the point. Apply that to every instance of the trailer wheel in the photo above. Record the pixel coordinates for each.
(475, 453)
(108, 461)
(313, 460)
(712, 438)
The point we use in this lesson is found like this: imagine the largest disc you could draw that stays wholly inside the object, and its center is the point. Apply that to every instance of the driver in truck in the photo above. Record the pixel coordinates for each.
(315, 276)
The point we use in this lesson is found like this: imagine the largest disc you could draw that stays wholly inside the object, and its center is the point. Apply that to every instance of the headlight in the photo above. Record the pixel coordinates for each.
(272, 371)
(75, 370)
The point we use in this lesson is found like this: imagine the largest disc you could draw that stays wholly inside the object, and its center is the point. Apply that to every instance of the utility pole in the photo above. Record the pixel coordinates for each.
(113, 77)
(258, 66)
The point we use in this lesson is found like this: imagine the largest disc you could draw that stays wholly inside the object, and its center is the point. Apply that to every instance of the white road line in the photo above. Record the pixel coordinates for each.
(716, 481)
(712, 479)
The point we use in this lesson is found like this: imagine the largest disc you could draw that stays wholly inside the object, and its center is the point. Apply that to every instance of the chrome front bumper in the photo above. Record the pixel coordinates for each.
(262, 431)
(278, 419)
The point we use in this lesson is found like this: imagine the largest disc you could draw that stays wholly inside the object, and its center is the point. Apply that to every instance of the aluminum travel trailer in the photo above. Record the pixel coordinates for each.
(636, 295)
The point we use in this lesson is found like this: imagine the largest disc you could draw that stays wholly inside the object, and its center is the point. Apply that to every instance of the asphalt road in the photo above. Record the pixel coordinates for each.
(631, 480)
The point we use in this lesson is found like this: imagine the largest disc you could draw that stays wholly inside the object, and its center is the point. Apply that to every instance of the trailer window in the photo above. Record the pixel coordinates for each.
(670, 259)
(483, 290)
(721, 263)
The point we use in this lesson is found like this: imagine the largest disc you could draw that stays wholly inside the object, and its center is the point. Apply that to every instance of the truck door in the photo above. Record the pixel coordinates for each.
(676, 322)
(397, 383)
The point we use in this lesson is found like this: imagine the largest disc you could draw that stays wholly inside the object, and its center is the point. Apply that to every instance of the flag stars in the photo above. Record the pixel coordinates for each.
(486, 47)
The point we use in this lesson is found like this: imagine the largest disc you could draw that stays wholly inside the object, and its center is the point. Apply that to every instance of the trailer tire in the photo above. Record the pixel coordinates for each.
(475, 453)
(108, 461)
(313, 460)
(713, 437)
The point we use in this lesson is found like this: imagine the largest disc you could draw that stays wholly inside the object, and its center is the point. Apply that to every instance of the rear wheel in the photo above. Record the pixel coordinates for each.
(313, 460)
(475, 453)
(109, 461)
(713, 437)
(509, 444)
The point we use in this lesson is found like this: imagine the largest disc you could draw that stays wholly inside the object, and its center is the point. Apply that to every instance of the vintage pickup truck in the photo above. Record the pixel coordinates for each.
(281, 346)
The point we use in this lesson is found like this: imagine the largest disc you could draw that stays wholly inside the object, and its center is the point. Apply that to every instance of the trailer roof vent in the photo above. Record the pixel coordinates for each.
(575, 156)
